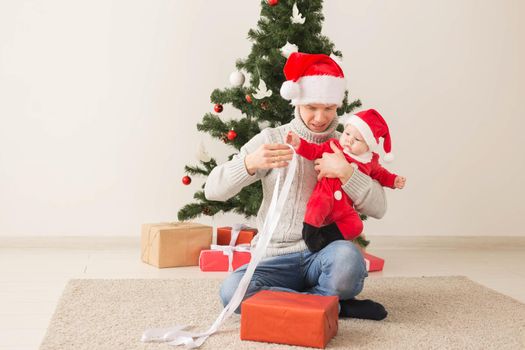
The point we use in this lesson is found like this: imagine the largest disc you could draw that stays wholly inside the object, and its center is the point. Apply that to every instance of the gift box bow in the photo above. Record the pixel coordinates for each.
(229, 249)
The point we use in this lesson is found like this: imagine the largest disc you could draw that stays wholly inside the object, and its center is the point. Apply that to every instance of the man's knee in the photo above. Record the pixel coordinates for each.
(348, 269)
(226, 292)
(230, 284)
(343, 252)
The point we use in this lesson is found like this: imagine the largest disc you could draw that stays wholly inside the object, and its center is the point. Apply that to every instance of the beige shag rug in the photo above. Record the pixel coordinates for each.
(424, 313)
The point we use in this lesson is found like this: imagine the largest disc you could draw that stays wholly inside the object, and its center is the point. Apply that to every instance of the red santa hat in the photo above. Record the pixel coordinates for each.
(372, 126)
(313, 78)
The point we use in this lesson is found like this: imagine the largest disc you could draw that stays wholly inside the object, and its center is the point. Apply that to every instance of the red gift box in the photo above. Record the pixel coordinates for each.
(290, 318)
(373, 263)
(216, 260)
(245, 235)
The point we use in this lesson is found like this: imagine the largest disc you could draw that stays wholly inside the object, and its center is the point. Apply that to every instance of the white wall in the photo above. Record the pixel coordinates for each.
(99, 102)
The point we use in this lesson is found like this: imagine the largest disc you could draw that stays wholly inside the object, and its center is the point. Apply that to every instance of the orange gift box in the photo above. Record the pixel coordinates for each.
(245, 236)
(216, 260)
(373, 263)
(290, 318)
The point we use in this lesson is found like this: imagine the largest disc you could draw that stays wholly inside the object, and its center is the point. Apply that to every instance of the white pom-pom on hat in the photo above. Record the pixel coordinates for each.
(290, 90)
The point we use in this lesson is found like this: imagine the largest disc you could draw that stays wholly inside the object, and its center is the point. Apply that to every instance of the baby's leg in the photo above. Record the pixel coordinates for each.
(347, 219)
(318, 209)
(320, 204)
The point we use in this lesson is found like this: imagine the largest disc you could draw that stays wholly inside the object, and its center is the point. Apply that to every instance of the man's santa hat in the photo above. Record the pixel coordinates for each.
(313, 78)
(372, 126)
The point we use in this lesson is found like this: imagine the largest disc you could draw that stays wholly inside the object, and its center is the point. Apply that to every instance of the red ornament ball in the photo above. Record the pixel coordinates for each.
(273, 2)
(231, 135)
(218, 108)
(248, 99)
(186, 180)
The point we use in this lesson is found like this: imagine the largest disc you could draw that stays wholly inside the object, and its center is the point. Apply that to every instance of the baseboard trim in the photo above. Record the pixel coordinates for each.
(377, 242)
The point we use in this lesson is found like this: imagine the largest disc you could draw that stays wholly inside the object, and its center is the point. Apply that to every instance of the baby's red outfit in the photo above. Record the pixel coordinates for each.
(328, 202)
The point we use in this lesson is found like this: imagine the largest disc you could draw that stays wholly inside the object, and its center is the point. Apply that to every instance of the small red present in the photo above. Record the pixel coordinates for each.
(245, 235)
(224, 258)
(290, 318)
(373, 263)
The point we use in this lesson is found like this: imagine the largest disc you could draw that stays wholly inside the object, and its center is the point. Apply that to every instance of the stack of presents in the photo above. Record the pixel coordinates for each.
(190, 244)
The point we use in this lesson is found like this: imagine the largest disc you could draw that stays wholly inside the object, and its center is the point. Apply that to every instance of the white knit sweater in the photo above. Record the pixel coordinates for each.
(226, 180)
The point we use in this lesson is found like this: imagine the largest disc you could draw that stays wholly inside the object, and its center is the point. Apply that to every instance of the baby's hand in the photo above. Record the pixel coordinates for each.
(399, 182)
(293, 139)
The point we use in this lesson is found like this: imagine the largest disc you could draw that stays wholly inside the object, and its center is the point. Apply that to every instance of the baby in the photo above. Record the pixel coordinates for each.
(329, 212)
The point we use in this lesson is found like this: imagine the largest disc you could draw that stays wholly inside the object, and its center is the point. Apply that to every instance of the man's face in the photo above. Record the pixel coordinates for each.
(317, 117)
(352, 141)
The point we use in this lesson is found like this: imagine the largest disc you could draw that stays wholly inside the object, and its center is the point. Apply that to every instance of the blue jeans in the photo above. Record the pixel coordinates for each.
(337, 269)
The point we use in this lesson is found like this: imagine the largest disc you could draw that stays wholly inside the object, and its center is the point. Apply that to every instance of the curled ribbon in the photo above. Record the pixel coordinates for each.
(177, 335)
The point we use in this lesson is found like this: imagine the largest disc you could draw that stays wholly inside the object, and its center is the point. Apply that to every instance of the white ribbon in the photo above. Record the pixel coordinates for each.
(229, 249)
(236, 230)
(177, 335)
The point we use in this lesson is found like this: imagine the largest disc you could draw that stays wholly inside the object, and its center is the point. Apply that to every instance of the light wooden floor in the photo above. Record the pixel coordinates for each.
(33, 272)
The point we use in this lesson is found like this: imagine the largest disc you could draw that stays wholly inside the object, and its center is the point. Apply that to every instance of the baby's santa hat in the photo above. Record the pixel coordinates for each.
(313, 78)
(372, 126)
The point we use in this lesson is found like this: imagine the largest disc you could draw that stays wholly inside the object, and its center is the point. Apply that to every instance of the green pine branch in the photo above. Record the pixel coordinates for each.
(361, 241)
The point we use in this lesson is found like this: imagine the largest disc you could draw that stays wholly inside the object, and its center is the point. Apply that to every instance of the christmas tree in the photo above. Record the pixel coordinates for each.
(284, 26)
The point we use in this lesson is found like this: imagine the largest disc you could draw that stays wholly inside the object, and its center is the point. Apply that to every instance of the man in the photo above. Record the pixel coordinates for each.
(316, 86)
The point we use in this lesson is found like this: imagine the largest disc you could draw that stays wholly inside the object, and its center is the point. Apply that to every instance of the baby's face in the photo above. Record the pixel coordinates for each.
(352, 141)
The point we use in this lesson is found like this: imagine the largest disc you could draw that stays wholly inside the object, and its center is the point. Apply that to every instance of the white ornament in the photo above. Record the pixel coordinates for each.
(263, 124)
(288, 49)
(262, 91)
(296, 15)
(202, 155)
(237, 78)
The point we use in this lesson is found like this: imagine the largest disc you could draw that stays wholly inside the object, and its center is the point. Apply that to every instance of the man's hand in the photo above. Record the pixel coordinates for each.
(334, 165)
(268, 156)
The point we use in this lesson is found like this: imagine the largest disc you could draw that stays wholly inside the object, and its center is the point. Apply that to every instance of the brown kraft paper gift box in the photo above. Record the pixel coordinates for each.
(174, 244)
